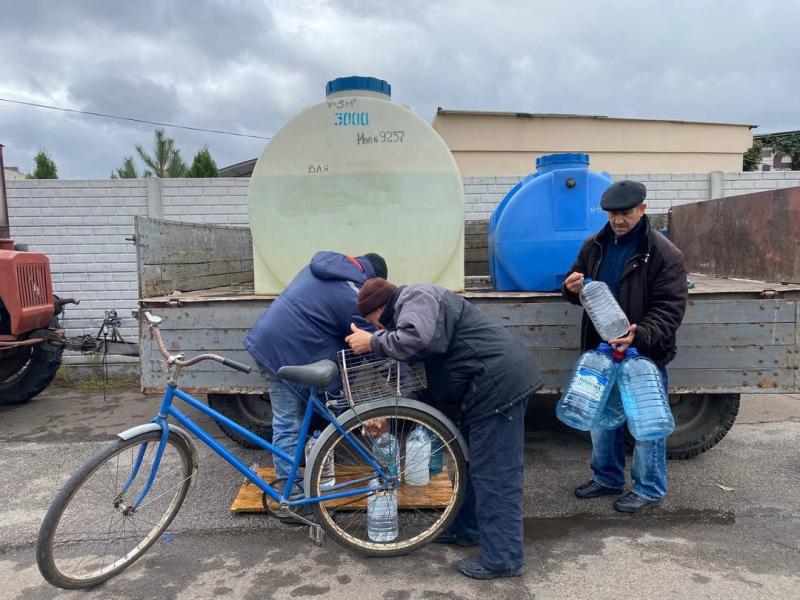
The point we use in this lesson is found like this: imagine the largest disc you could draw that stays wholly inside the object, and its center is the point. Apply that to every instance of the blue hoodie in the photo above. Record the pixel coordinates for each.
(310, 319)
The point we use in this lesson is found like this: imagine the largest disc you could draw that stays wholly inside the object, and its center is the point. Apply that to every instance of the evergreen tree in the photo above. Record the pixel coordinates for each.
(45, 166)
(203, 165)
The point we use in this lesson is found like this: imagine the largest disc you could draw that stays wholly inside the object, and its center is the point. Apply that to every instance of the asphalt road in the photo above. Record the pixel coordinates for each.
(701, 542)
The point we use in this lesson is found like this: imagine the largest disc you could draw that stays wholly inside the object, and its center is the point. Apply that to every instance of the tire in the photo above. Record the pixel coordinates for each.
(78, 523)
(251, 411)
(34, 368)
(701, 421)
(348, 525)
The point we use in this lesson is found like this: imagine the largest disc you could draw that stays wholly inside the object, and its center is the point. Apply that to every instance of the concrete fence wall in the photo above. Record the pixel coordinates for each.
(83, 226)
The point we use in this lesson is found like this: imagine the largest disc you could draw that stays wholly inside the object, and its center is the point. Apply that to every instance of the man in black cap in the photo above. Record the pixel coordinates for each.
(647, 275)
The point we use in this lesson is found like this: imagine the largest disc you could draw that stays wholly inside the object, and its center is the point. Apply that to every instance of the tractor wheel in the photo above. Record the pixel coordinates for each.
(26, 371)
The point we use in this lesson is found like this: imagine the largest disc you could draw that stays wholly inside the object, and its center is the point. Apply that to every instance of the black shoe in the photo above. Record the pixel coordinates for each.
(449, 538)
(633, 503)
(592, 489)
(472, 568)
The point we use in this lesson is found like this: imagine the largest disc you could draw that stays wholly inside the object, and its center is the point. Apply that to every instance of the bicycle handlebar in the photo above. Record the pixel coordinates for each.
(177, 359)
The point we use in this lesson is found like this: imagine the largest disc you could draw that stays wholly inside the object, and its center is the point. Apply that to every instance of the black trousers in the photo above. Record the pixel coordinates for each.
(492, 509)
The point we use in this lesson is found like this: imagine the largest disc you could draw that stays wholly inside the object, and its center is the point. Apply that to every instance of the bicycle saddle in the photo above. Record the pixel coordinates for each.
(318, 374)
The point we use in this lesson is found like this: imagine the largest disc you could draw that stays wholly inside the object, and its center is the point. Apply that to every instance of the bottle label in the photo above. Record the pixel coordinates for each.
(589, 383)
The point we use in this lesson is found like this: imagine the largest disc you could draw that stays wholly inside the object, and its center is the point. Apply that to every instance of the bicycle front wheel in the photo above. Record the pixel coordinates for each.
(91, 533)
(389, 521)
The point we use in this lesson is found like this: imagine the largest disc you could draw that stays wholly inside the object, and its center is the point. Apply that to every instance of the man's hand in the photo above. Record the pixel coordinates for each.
(574, 283)
(359, 340)
(374, 428)
(623, 343)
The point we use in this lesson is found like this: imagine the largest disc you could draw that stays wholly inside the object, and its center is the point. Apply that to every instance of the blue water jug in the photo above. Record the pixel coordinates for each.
(644, 398)
(587, 391)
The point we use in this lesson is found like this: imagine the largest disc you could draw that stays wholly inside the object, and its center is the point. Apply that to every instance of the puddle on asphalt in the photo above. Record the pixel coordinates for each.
(555, 527)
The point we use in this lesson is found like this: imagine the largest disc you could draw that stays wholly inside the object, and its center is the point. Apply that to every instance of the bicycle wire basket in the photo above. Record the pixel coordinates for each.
(367, 377)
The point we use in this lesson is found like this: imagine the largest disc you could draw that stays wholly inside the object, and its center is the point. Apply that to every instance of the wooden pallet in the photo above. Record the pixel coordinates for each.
(436, 494)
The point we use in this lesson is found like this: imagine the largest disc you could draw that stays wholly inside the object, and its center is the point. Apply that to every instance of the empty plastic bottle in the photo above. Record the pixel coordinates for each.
(613, 414)
(328, 479)
(386, 449)
(382, 523)
(418, 457)
(588, 389)
(437, 454)
(603, 309)
(644, 398)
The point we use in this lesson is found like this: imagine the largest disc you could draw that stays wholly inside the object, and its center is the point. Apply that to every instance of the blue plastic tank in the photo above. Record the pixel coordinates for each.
(538, 227)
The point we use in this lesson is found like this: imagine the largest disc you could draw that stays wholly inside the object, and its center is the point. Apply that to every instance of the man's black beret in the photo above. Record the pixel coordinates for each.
(623, 195)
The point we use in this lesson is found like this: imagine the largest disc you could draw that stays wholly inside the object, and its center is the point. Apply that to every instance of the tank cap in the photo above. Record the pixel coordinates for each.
(562, 157)
(354, 82)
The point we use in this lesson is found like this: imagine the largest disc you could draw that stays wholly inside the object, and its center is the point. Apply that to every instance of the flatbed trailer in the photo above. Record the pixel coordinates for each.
(738, 336)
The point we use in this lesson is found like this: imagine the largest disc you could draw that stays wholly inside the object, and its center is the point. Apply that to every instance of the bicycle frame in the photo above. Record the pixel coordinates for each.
(168, 410)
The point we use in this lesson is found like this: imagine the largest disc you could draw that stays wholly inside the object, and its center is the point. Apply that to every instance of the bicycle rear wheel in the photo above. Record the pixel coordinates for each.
(423, 512)
(90, 534)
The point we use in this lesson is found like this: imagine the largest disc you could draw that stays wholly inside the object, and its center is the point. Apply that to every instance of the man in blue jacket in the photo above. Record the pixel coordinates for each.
(306, 323)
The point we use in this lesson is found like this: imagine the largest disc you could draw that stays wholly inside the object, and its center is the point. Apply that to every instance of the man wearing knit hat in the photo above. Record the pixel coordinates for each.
(306, 323)
(479, 375)
(646, 274)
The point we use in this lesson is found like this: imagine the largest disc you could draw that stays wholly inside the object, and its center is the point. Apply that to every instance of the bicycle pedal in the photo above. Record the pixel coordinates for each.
(316, 534)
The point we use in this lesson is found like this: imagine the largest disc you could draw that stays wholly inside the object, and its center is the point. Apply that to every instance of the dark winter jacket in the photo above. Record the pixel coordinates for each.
(474, 366)
(310, 319)
(652, 291)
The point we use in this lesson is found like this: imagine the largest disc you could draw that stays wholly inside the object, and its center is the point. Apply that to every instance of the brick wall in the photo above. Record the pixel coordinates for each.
(82, 225)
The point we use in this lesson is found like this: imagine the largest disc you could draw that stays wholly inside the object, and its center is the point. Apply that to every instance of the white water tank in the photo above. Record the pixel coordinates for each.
(357, 174)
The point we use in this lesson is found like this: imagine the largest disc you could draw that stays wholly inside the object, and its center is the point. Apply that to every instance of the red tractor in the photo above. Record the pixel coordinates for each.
(31, 338)
(29, 358)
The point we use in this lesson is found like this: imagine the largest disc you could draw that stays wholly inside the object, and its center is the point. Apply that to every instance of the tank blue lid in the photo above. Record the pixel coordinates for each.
(354, 82)
(562, 157)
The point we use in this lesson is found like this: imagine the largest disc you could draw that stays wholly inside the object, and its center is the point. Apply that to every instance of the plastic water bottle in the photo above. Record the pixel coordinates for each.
(603, 309)
(644, 398)
(381, 514)
(613, 414)
(437, 454)
(588, 388)
(387, 450)
(328, 479)
(418, 457)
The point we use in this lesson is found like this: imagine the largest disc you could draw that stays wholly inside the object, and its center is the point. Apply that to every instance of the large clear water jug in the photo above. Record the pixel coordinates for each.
(613, 413)
(588, 388)
(603, 309)
(328, 479)
(382, 523)
(418, 457)
(387, 451)
(644, 398)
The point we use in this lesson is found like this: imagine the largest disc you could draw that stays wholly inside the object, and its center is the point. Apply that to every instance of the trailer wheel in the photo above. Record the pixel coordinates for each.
(251, 411)
(701, 421)
(27, 371)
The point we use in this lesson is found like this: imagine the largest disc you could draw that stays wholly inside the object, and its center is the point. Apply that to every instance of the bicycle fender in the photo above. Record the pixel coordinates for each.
(146, 427)
(389, 402)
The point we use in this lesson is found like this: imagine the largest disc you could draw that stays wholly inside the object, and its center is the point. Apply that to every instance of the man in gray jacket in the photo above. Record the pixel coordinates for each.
(481, 377)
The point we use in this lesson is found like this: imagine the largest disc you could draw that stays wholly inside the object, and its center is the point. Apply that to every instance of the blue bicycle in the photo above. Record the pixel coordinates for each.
(115, 507)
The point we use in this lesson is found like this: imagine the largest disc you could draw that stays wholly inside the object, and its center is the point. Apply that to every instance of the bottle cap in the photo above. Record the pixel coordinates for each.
(631, 353)
(604, 348)
(316, 434)
(587, 280)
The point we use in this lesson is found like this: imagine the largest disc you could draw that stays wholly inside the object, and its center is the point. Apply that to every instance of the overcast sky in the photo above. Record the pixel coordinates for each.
(250, 66)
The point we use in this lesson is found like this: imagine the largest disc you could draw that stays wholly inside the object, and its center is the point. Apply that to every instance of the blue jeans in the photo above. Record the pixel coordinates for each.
(648, 467)
(288, 407)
